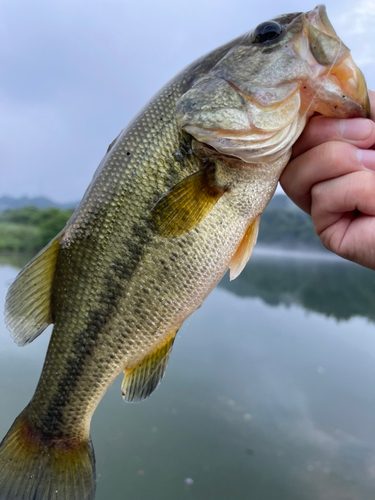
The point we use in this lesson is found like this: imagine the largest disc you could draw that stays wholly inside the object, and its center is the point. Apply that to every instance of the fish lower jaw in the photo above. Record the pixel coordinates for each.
(336, 90)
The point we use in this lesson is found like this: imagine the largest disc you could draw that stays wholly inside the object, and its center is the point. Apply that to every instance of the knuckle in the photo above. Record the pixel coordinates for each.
(325, 236)
(335, 153)
(317, 193)
(325, 240)
(363, 182)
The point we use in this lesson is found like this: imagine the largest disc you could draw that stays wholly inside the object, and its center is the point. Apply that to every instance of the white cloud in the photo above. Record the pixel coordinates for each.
(356, 26)
(357, 20)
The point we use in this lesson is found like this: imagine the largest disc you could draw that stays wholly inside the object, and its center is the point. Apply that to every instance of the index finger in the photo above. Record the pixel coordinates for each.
(357, 131)
(326, 161)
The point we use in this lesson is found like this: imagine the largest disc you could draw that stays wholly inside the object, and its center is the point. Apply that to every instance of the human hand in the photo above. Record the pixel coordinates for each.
(332, 177)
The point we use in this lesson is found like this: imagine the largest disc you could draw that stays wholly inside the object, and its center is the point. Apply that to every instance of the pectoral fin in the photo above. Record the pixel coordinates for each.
(141, 380)
(244, 250)
(28, 307)
(187, 203)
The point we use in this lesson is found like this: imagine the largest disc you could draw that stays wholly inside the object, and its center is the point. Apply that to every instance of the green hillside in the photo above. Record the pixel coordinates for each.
(29, 228)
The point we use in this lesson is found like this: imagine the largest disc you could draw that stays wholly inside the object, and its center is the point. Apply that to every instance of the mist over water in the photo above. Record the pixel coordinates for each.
(317, 281)
(269, 393)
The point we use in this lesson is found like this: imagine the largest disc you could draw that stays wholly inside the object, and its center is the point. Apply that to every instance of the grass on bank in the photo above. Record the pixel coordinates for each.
(29, 229)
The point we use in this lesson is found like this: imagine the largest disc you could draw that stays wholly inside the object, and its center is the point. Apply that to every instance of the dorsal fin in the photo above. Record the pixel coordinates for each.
(113, 143)
(187, 203)
(141, 380)
(28, 309)
(244, 250)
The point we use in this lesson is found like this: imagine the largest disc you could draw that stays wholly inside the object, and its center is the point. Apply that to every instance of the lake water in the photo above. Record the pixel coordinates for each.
(269, 393)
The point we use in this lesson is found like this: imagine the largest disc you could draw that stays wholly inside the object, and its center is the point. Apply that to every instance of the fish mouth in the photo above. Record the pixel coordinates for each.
(340, 88)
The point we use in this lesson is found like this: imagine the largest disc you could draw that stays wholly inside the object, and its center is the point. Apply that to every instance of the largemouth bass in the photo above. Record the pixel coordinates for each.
(175, 202)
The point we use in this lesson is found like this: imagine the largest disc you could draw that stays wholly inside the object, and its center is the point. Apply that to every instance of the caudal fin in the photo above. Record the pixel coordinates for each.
(35, 469)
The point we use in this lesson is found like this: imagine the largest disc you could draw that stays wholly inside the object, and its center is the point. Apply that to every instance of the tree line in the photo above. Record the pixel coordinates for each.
(30, 229)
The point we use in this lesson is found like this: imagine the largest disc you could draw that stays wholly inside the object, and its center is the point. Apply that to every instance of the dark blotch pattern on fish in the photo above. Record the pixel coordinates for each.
(86, 342)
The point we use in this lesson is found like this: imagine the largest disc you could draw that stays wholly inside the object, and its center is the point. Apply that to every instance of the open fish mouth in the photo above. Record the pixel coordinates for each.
(265, 108)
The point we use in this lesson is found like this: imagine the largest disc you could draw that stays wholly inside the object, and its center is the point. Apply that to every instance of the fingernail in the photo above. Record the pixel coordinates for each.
(367, 158)
(356, 129)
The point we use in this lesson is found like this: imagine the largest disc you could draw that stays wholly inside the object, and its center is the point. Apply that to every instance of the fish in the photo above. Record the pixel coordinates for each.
(175, 202)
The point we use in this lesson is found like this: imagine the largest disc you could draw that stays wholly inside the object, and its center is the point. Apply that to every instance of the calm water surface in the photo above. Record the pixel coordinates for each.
(269, 393)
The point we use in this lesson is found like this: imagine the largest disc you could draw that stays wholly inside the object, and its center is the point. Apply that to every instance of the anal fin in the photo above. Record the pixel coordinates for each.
(28, 309)
(141, 380)
(244, 250)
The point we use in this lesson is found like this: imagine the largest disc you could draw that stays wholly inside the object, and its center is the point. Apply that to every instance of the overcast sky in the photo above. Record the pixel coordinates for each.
(74, 72)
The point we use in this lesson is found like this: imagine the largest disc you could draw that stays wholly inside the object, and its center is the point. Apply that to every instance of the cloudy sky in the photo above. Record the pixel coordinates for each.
(73, 73)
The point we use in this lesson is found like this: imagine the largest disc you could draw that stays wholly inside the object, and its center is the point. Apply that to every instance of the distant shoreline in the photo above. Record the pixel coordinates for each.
(285, 231)
(302, 253)
(18, 259)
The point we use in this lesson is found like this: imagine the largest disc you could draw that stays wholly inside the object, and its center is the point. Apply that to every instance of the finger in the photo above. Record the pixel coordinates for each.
(320, 129)
(326, 161)
(343, 212)
(371, 95)
(357, 131)
(353, 192)
(352, 237)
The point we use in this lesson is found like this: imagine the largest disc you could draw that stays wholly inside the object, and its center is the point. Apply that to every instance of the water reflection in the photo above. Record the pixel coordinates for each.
(329, 286)
(318, 281)
(260, 400)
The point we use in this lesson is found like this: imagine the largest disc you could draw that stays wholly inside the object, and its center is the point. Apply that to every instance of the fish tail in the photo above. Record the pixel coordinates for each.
(33, 467)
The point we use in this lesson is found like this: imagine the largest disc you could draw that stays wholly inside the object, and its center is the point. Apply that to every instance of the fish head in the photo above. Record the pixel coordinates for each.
(254, 103)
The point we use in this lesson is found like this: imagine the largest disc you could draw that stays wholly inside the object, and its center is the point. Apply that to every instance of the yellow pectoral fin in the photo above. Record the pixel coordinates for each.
(28, 307)
(244, 250)
(141, 380)
(187, 203)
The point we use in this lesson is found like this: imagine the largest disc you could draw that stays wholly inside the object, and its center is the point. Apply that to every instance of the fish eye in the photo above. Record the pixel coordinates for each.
(266, 32)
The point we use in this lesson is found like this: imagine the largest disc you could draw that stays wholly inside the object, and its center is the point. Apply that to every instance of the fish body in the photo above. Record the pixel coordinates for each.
(175, 202)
